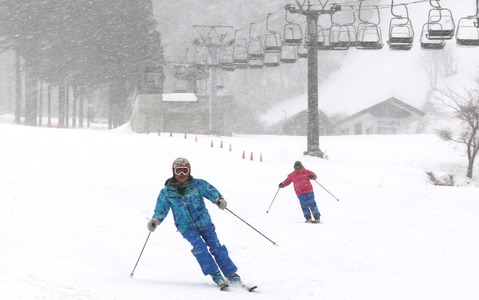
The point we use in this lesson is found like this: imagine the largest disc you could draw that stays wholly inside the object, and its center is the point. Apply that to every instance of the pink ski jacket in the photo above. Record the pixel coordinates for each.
(301, 181)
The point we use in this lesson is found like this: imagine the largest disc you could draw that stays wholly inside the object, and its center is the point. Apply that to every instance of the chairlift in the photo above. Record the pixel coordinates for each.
(255, 49)
(226, 59)
(272, 59)
(430, 44)
(369, 35)
(301, 51)
(289, 54)
(342, 37)
(326, 45)
(200, 55)
(440, 23)
(254, 46)
(343, 32)
(256, 63)
(272, 40)
(292, 34)
(401, 31)
(467, 33)
(240, 54)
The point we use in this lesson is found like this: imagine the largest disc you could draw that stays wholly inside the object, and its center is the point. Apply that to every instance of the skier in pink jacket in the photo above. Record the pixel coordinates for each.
(300, 178)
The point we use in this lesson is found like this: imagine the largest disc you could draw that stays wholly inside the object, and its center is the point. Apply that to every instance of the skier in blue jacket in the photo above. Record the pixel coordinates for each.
(184, 195)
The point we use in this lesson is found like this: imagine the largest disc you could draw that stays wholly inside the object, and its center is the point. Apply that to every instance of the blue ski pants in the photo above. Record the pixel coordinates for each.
(308, 203)
(208, 251)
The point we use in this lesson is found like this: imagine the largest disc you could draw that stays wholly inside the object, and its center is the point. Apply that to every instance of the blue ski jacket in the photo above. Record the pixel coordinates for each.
(189, 209)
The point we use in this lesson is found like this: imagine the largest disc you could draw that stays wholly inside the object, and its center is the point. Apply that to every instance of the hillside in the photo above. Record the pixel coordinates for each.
(75, 203)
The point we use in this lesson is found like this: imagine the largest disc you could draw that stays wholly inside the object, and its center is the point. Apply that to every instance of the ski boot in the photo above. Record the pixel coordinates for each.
(234, 278)
(218, 279)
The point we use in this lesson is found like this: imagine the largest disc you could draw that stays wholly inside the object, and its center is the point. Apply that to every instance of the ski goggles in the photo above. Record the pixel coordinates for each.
(182, 171)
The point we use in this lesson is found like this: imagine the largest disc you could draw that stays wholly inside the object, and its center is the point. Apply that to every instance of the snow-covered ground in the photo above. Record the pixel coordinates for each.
(74, 206)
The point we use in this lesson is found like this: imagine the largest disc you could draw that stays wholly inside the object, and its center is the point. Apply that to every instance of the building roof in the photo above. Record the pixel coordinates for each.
(180, 97)
(390, 108)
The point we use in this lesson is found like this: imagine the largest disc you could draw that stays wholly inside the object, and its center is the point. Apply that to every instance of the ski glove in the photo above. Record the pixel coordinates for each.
(153, 224)
(281, 185)
(311, 177)
(221, 203)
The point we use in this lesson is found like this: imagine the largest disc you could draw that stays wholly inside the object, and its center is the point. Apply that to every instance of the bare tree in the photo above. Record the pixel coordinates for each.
(465, 108)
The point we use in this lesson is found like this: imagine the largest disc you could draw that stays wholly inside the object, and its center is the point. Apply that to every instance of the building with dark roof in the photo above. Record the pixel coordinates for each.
(391, 116)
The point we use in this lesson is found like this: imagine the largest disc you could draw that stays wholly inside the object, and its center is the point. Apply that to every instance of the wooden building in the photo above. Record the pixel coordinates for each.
(391, 116)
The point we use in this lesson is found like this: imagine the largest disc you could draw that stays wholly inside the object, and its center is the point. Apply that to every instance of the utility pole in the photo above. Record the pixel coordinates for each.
(212, 39)
(312, 44)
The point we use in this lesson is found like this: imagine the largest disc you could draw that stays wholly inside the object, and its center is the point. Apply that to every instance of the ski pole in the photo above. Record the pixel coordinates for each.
(131, 275)
(326, 190)
(273, 200)
(252, 227)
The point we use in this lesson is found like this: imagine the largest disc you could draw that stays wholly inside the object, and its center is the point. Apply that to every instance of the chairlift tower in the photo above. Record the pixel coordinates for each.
(312, 16)
(212, 37)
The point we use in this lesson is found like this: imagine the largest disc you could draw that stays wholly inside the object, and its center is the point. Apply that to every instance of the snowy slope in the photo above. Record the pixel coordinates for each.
(74, 205)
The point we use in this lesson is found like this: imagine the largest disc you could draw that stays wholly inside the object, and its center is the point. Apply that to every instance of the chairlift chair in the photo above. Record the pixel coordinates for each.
(401, 31)
(430, 44)
(255, 49)
(292, 34)
(342, 37)
(240, 55)
(226, 59)
(255, 64)
(273, 42)
(440, 24)
(369, 37)
(301, 51)
(467, 32)
(289, 54)
(369, 34)
(401, 34)
(272, 60)
(343, 32)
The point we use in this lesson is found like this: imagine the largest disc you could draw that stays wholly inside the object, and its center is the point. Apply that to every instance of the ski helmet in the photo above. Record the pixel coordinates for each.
(181, 162)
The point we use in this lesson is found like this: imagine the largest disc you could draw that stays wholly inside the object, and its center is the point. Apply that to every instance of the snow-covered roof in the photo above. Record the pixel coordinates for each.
(180, 97)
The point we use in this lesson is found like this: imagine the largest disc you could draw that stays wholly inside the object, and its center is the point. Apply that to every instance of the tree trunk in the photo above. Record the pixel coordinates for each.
(18, 89)
(67, 105)
(49, 105)
(31, 99)
(61, 105)
(74, 107)
(40, 103)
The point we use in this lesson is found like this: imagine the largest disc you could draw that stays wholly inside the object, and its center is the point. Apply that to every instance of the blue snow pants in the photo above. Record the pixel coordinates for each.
(308, 203)
(206, 237)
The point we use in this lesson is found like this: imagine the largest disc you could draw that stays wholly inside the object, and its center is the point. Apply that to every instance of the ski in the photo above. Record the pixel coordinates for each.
(249, 288)
(224, 287)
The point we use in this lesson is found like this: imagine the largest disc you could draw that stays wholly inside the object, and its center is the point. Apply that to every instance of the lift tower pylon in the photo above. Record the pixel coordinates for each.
(312, 16)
